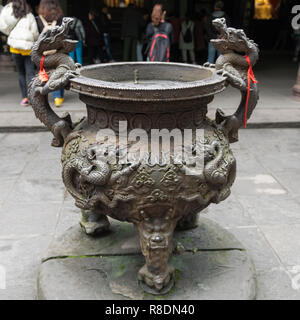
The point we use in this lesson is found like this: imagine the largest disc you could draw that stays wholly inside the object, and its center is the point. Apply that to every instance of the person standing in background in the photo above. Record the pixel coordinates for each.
(76, 32)
(176, 25)
(200, 43)
(17, 21)
(284, 20)
(105, 26)
(142, 40)
(94, 39)
(211, 31)
(186, 40)
(131, 24)
(159, 24)
(158, 45)
(50, 14)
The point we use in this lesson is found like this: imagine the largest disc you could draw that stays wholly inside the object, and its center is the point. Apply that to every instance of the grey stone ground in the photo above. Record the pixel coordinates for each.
(263, 211)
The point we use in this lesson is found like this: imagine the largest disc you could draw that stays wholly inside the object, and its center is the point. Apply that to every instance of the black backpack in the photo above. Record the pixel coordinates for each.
(72, 33)
(159, 47)
(188, 37)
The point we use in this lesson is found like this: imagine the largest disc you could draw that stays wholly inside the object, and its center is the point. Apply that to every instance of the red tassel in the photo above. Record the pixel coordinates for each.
(43, 76)
(250, 77)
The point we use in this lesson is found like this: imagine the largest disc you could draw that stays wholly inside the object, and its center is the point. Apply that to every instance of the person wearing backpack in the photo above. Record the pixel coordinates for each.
(160, 35)
(50, 15)
(18, 23)
(77, 32)
(186, 40)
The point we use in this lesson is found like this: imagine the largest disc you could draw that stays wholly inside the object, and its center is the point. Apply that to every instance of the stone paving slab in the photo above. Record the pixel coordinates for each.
(19, 218)
(268, 210)
(210, 265)
(285, 241)
(275, 284)
(202, 276)
(20, 256)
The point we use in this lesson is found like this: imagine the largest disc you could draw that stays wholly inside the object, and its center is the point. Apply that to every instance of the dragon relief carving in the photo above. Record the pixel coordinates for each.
(95, 170)
(234, 46)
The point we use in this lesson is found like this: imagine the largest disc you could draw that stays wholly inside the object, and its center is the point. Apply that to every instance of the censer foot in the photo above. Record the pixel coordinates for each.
(156, 237)
(94, 223)
(190, 221)
(156, 284)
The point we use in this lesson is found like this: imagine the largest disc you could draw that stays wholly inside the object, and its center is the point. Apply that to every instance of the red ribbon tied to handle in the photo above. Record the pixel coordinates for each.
(250, 77)
(43, 76)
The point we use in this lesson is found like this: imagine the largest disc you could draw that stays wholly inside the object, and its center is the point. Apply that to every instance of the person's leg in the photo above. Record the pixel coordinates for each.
(184, 55)
(91, 51)
(130, 49)
(107, 45)
(29, 71)
(126, 48)
(203, 56)
(172, 57)
(100, 54)
(139, 51)
(72, 55)
(19, 61)
(211, 53)
(58, 94)
(133, 49)
(78, 51)
(29, 68)
(285, 36)
(297, 50)
(177, 52)
(192, 56)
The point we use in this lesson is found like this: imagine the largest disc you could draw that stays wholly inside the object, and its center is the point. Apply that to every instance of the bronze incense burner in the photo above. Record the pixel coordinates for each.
(157, 196)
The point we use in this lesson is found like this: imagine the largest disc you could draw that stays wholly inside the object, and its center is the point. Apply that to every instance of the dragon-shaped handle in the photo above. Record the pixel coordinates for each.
(54, 46)
(238, 54)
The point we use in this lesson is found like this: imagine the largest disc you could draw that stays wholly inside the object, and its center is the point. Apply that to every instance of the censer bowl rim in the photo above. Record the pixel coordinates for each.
(167, 79)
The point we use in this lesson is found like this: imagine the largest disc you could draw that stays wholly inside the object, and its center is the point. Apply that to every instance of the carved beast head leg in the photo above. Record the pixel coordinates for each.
(156, 229)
